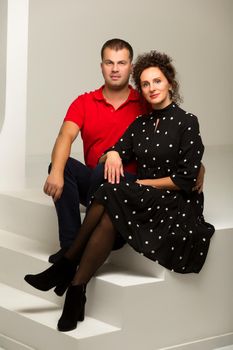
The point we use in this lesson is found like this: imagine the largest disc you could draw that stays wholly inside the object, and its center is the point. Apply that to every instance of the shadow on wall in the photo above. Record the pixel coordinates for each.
(3, 41)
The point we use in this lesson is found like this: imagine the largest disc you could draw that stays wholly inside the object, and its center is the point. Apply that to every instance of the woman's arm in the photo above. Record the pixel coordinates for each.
(162, 183)
(122, 151)
(190, 153)
(200, 180)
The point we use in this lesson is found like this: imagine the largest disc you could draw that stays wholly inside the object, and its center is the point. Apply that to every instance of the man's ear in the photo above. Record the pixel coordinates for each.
(131, 68)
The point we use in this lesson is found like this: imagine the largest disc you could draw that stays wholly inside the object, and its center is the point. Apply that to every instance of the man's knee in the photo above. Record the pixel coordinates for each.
(98, 171)
(97, 177)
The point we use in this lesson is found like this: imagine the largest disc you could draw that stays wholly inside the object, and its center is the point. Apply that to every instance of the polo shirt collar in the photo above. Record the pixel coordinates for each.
(133, 95)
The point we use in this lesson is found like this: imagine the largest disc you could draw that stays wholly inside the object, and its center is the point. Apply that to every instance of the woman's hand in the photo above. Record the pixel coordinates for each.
(113, 168)
(145, 182)
(200, 180)
(54, 185)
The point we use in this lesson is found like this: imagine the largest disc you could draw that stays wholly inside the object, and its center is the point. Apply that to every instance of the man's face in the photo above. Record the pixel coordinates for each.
(116, 68)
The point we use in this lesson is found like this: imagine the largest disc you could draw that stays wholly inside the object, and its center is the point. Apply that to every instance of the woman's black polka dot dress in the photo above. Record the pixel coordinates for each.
(166, 226)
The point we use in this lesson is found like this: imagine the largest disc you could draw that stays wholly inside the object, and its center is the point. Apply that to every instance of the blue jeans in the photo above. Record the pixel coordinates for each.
(80, 183)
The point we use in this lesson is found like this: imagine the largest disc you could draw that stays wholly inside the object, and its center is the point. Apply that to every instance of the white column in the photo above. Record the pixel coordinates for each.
(13, 131)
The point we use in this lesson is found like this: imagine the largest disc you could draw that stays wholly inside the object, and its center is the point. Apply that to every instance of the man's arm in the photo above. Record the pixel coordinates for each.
(61, 151)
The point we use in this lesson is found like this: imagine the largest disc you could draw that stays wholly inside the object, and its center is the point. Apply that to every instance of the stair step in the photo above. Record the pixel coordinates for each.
(25, 245)
(111, 273)
(47, 313)
(18, 307)
(128, 285)
(33, 195)
(28, 214)
(31, 213)
(12, 344)
(110, 282)
(124, 278)
(36, 220)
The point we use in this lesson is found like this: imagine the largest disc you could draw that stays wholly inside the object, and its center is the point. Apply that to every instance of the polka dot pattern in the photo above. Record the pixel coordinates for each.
(163, 225)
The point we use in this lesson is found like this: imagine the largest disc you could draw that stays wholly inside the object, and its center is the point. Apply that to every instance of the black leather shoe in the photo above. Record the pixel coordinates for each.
(54, 258)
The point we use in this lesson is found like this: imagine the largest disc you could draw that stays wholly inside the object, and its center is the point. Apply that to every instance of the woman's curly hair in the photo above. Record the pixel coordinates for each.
(163, 62)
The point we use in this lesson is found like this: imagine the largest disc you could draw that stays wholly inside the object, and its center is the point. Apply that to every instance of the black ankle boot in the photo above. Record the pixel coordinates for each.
(58, 275)
(74, 307)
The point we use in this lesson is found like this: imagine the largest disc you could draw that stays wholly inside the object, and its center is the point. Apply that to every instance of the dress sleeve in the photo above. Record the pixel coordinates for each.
(190, 155)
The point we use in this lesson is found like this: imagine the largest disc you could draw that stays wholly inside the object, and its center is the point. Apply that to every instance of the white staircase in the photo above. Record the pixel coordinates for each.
(133, 303)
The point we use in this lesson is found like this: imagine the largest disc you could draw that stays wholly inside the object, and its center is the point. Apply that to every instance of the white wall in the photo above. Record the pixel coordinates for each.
(3, 30)
(65, 38)
(13, 93)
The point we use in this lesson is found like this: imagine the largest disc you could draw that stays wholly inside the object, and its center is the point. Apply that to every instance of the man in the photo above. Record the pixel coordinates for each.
(101, 116)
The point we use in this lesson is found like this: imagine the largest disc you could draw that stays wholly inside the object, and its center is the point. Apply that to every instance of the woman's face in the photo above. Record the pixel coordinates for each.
(155, 87)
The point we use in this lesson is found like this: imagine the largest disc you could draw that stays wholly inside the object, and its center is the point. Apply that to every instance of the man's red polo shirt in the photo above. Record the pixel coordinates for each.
(100, 124)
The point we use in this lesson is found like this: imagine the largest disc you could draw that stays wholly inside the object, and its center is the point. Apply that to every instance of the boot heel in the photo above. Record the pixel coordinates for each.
(60, 289)
(82, 313)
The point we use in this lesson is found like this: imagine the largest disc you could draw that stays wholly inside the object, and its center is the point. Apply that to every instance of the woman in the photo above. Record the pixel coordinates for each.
(158, 213)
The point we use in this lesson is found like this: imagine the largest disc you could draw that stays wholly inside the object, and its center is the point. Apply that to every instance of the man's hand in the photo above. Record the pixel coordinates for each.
(113, 168)
(200, 180)
(54, 186)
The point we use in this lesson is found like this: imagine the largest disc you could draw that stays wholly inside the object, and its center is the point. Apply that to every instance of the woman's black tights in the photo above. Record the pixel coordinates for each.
(93, 243)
